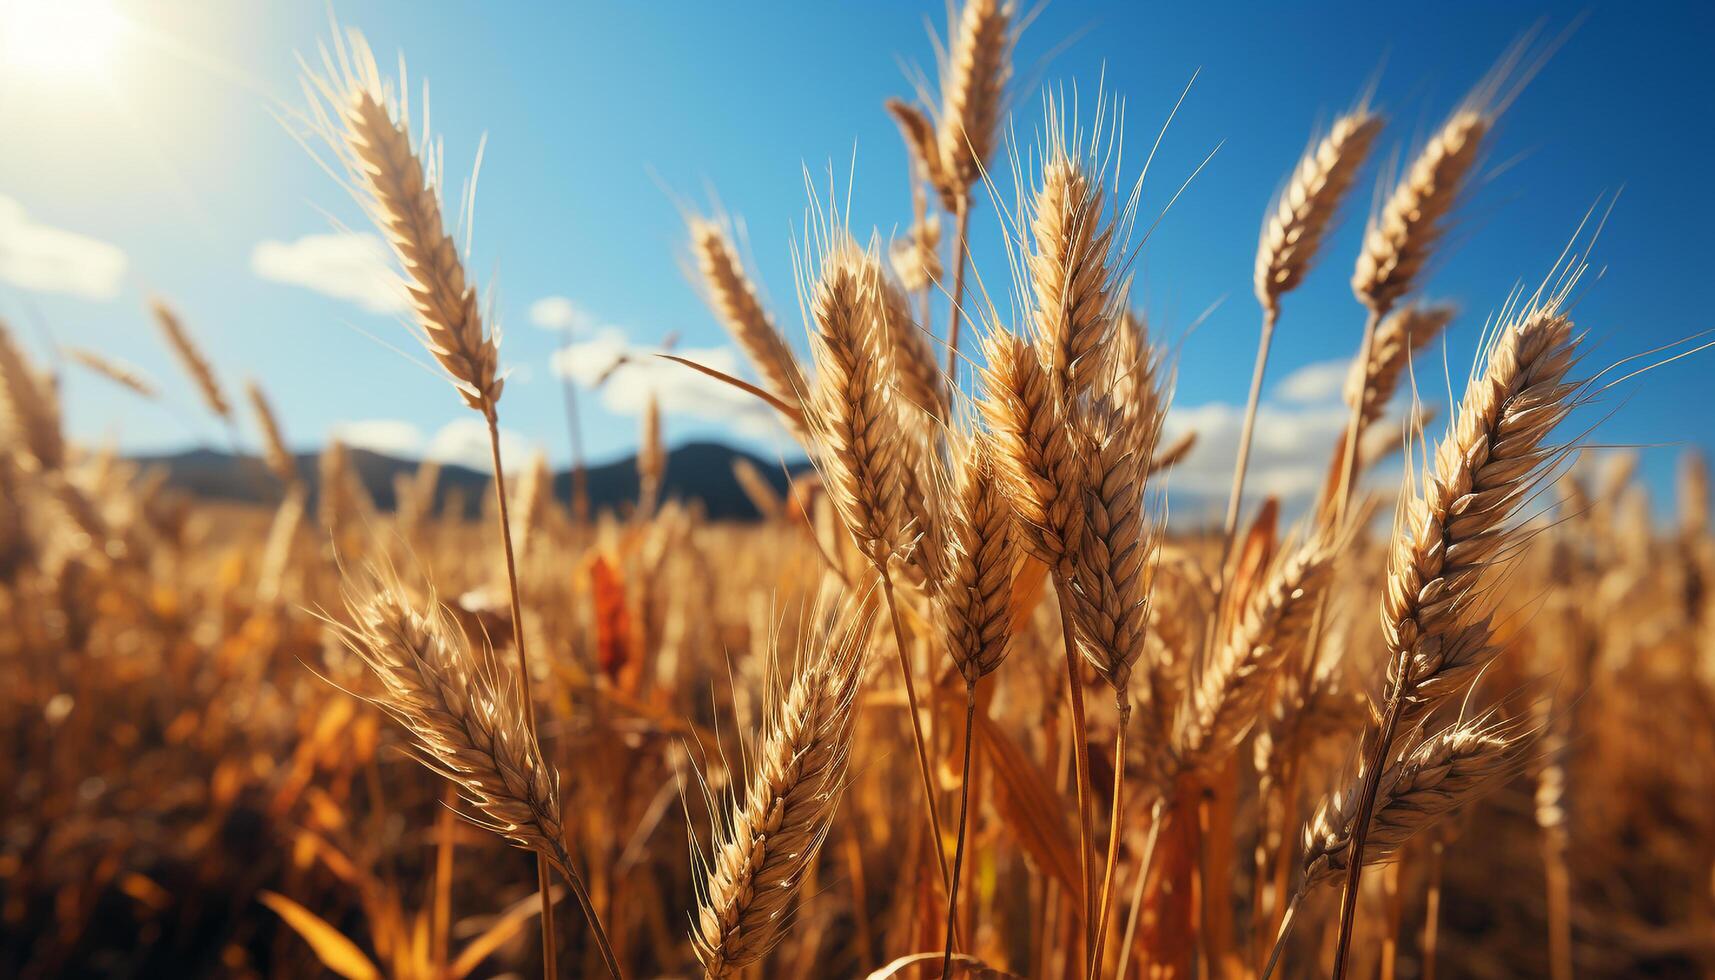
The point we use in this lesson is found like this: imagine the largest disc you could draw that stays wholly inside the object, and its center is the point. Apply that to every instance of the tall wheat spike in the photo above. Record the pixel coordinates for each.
(367, 125)
(274, 451)
(768, 839)
(732, 296)
(1070, 273)
(1402, 234)
(852, 414)
(29, 407)
(122, 375)
(191, 357)
(1306, 207)
(973, 83)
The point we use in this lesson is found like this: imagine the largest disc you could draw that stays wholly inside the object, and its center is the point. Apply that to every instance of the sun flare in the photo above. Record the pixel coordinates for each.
(59, 36)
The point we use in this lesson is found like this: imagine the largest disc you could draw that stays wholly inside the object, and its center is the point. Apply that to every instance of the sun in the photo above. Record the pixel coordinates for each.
(59, 36)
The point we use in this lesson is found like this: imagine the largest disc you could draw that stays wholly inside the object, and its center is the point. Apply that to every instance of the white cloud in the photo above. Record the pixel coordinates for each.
(1314, 383)
(390, 437)
(464, 442)
(560, 313)
(52, 260)
(345, 265)
(1289, 447)
(679, 389)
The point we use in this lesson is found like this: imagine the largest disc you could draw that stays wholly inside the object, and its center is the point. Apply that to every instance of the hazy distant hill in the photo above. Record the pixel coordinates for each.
(696, 471)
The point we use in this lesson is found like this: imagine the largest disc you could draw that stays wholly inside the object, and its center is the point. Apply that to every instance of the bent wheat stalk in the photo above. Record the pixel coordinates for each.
(1457, 526)
(367, 126)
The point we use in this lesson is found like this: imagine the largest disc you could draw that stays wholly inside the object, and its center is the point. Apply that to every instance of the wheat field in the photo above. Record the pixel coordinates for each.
(964, 701)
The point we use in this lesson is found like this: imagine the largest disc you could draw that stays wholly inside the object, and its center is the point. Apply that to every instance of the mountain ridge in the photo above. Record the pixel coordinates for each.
(696, 471)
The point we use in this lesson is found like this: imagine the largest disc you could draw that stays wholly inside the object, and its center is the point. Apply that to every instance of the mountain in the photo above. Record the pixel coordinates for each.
(700, 471)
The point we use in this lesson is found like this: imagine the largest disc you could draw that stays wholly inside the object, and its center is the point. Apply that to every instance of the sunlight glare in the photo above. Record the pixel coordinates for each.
(58, 36)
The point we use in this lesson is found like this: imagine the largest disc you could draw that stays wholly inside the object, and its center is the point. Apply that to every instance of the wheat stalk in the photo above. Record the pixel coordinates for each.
(859, 447)
(274, 452)
(1457, 526)
(29, 407)
(1228, 697)
(733, 298)
(191, 358)
(769, 839)
(1404, 232)
(123, 375)
(1304, 210)
(1442, 773)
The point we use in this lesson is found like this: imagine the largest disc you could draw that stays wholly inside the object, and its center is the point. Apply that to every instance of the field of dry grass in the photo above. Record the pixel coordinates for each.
(961, 704)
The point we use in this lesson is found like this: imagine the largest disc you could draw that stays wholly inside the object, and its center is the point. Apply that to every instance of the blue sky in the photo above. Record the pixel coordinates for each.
(602, 120)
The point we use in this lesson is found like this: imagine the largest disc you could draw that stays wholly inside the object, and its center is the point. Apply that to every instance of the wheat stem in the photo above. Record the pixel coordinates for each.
(964, 806)
(1080, 757)
(549, 965)
(1137, 886)
(961, 250)
(1105, 908)
(917, 733)
(1234, 499)
(1376, 760)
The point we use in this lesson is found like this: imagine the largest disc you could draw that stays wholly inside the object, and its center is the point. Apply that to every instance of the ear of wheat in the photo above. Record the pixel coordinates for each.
(1033, 452)
(1226, 699)
(367, 125)
(29, 406)
(463, 714)
(191, 357)
(975, 604)
(1070, 275)
(852, 415)
(973, 83)
(1306, 207)
(909, 357)
(1438, 775)
(733, 298)
(1460, 523)
(1399, 336)
(768, 839)
(1110, 584)
(1402, 234)
(122, 375)
(274, 451)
